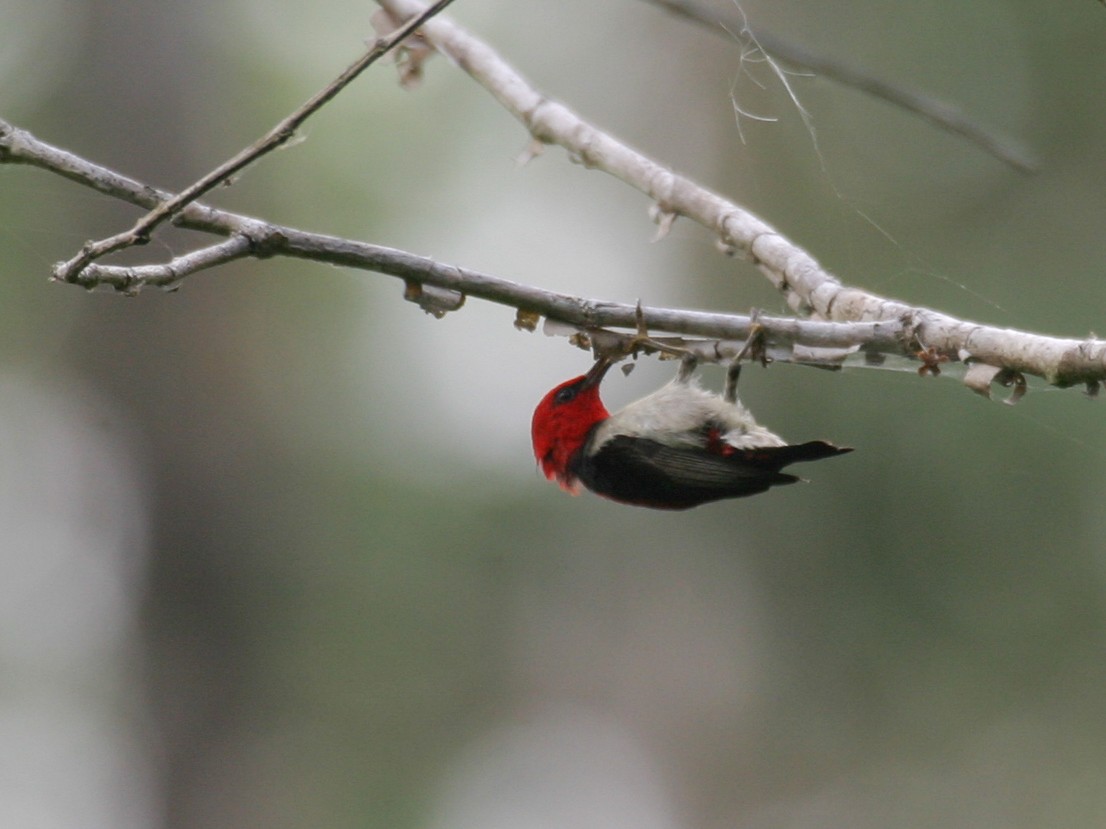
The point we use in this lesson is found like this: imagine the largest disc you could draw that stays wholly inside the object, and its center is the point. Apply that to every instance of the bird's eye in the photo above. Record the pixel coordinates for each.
(565, 395)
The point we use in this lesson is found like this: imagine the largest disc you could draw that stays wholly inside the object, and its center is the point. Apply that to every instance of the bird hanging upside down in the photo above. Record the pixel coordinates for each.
(679, 447)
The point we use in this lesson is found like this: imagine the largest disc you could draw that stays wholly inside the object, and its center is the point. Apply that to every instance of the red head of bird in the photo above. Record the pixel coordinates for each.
(563, 421)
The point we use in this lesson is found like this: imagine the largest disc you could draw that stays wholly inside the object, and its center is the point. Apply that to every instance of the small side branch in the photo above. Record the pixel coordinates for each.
(168, 276)
(164, 211)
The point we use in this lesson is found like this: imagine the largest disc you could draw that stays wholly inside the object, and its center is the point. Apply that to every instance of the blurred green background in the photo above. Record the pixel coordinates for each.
(274, 551)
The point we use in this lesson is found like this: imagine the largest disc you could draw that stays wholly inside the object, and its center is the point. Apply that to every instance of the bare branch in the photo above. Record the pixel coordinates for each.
(945, 115)
(720, 336)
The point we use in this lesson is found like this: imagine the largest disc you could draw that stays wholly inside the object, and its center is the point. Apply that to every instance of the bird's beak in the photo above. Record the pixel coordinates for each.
(595, 375)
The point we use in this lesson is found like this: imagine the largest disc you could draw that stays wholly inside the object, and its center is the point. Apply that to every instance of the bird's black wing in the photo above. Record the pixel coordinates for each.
(648, 473)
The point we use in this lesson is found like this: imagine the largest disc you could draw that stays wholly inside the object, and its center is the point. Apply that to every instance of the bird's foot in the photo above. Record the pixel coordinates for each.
(753, 350)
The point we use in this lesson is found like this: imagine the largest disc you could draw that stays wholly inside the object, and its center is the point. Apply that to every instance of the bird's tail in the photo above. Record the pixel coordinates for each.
(777, 457)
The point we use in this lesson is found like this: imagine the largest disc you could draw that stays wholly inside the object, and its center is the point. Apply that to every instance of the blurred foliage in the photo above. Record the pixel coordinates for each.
(354, 601)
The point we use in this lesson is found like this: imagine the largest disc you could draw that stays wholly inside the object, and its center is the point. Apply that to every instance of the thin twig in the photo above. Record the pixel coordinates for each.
(943, 114)
(131, 279)
(278, 135)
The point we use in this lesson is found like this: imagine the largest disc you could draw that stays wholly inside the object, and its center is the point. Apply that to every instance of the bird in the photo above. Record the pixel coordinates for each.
(674, 449)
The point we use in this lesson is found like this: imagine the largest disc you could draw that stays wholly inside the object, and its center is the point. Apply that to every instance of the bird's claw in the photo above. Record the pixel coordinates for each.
(753, 350)
(643, 341)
